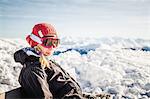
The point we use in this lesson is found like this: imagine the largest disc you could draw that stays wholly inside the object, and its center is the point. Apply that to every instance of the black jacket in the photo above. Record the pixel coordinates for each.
(51, 82)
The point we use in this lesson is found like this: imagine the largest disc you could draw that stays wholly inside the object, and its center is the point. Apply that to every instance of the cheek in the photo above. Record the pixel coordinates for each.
(48, 51)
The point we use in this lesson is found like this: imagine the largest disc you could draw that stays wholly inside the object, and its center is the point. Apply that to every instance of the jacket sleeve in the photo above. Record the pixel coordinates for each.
(20, 56)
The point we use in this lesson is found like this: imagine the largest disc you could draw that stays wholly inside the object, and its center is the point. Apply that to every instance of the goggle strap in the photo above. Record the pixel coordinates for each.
(48, 36)
(35, 38)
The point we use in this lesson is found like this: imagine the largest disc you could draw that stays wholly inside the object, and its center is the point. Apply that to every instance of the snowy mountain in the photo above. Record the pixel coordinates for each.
(117, 66)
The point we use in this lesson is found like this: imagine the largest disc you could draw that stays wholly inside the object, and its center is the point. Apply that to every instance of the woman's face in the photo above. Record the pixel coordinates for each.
(47, 51)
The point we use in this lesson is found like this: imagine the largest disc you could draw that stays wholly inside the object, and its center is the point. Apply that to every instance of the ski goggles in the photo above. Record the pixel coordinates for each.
(49, 42)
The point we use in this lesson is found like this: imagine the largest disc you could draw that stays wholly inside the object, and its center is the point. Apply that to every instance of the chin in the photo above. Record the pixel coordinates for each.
(48, 54)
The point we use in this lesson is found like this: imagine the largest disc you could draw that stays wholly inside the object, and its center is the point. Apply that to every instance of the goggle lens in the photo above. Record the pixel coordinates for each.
(49, 42)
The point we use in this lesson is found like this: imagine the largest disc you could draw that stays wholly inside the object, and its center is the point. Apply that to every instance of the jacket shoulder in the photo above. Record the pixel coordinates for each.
(19, 56)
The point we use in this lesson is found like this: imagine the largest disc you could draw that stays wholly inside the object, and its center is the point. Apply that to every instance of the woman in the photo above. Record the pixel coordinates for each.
(39, 77)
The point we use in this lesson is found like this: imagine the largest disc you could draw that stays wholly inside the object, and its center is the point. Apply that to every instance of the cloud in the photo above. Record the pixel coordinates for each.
(20, 16)
(87, 15)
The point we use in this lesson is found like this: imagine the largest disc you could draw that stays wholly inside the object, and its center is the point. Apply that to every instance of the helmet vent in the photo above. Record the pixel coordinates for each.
(40, 33)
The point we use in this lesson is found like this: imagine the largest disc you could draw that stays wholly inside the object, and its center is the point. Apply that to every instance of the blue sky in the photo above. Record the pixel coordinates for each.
(79, 18)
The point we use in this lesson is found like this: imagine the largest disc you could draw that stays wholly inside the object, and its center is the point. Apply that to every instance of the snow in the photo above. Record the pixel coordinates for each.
(117, 66)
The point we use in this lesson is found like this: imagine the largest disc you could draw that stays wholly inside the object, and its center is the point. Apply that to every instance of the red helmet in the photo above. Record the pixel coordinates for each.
(39, 31)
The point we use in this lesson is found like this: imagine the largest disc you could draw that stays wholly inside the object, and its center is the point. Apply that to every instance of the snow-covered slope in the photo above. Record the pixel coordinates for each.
(114, 65)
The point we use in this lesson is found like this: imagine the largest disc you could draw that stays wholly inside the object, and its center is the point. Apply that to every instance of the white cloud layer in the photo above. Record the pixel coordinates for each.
(112, 68)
